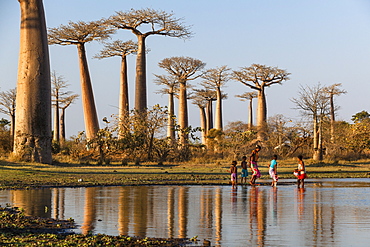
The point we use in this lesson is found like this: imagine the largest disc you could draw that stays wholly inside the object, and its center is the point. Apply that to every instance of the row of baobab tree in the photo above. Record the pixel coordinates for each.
(32, 129)
(32, 134)
(33, 122)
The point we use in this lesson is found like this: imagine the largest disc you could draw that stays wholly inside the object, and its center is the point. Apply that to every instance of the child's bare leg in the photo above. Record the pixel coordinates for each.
(302, 183)
(253, 179)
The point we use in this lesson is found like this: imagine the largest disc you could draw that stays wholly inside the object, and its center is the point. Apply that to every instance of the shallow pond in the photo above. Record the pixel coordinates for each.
(325, 213)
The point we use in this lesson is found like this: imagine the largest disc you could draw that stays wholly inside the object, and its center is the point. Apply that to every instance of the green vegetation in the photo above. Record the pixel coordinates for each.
(20, 230)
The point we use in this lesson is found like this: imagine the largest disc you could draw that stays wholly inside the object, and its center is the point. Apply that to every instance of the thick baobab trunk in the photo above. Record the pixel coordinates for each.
(315, 133)
(332, 119)
(209, 115)
(140, 83)
(87, 95)
(33, 122)
(261, 116)
(183, 114)
(203, 125)
(62, 125)
(12, 130)
(218, 117)
(318, 149)
(56, 134)
(250, 115)
(171, 120)
(123, 97)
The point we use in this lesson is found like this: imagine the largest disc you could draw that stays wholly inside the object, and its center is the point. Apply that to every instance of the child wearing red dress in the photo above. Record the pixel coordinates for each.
(301, 172)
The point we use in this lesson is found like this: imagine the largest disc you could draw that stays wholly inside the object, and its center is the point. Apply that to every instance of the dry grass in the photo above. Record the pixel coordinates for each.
(29, 175)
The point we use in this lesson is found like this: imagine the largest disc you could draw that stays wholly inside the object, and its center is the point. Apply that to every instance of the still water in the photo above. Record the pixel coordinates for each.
(325, 213)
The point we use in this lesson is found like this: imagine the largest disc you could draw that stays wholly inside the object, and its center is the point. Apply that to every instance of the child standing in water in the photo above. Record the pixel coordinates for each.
(301, 172)
(253, 159)
(234, 174)
(244, 170)
(273, 171)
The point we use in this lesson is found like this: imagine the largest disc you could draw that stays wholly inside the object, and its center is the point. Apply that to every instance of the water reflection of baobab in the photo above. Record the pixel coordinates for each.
(89, 210)
(257, 216)
(37, 202)
(124, 210)
(183, 211)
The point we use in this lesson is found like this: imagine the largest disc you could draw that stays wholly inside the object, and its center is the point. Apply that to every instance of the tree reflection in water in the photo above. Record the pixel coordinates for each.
(246, 216)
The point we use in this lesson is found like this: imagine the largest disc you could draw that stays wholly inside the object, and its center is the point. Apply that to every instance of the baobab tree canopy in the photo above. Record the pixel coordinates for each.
(78, 32)
(117, 48)
(183, 68)
(258, 77)
(161, 22)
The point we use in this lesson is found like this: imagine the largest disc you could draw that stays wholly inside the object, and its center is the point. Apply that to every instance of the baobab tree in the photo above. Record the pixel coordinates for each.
(172, 88)
(63, 105)
(249, 96)
(61, 100)
(32, 137)
(314, 102)
(216, 79)
(8, 106)
(58, 84)
(201, 102)
(258, 77)
(80, 33)
(333, 90)
(158, 23)
(121, 49)
(209, 96)
(183, 69)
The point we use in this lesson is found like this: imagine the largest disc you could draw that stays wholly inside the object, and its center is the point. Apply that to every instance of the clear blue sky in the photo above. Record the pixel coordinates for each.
(316, 41)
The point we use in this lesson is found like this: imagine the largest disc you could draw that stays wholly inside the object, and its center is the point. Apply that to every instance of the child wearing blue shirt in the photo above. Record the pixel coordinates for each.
(273, 171)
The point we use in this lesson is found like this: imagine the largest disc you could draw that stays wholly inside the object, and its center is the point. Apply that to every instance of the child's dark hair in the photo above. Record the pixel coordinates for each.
(244, 157)
(234, 162)
(300, 157)
(274, 156)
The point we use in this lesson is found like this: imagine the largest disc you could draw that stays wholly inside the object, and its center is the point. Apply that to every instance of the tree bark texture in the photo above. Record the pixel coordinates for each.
(12, 130)
(209, 116)
(250, 114)
(318, 151)
(218, 117)
(33, 122)
(171, 120)
(140, 83)
(183, 114)
(261, 115)
(203, 125)
(62, 125)
(315, 133)
(123, 96)
(87, 95)
(56, 134)
(332, 119)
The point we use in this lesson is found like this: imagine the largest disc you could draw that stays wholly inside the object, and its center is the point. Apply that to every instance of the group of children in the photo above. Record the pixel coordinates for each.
(300, 173)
